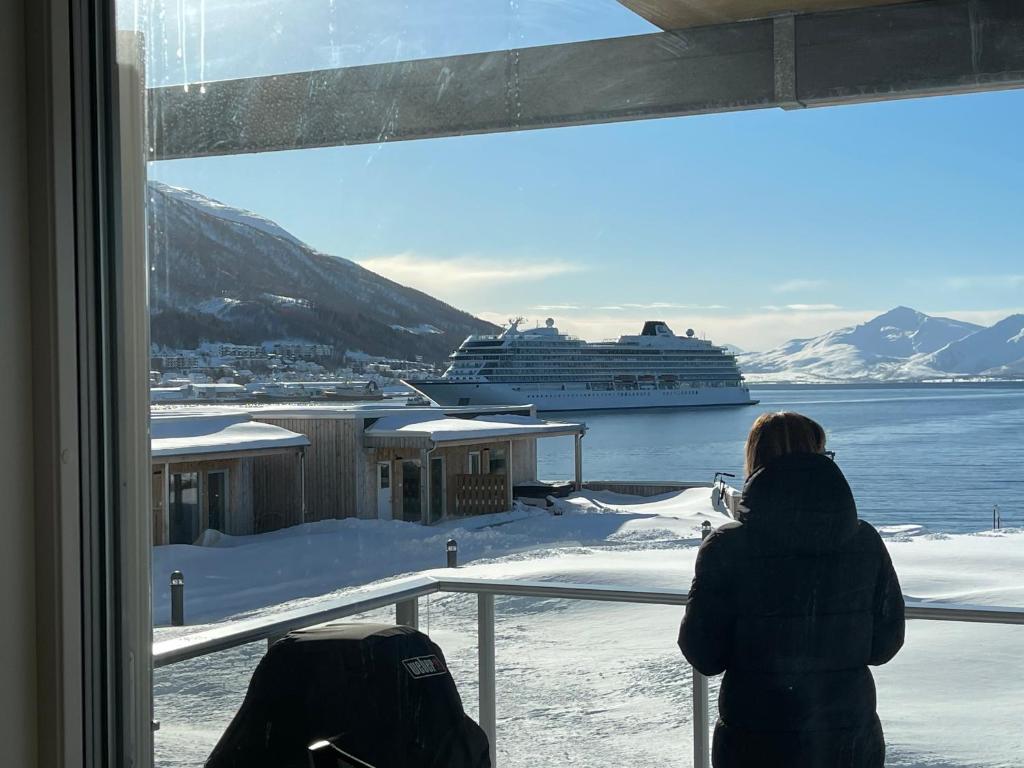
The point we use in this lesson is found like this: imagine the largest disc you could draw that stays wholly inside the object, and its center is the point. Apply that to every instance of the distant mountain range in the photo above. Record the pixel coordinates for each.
(902, 344)
(218, 273)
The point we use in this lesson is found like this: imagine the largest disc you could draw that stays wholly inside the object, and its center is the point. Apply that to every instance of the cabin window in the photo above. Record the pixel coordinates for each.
(473, 463)
(497, 461)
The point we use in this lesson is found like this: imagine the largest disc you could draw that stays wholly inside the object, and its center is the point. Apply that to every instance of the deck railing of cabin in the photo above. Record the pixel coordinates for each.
(404, 594)
(480, 494)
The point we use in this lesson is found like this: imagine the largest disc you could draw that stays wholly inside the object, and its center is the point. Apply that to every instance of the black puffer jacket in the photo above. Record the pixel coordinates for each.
(793, 603)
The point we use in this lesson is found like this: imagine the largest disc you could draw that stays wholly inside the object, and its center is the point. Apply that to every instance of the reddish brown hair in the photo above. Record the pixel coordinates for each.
(781, 433)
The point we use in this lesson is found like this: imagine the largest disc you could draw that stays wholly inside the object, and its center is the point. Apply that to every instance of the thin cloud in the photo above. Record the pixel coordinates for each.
(802, 307)
(660, 305)
(791, 286)
(670, 305)
(963, 282)
(453, 276)
(813, 307)
(557, 308)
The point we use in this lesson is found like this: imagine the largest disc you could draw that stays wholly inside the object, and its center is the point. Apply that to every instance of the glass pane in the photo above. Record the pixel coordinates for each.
(184, 507)
(216, 499)
(437, 489)
(497, 461)
(411, 491)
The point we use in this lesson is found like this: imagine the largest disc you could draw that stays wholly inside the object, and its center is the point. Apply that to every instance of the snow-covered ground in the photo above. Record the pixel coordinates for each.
(595, 684)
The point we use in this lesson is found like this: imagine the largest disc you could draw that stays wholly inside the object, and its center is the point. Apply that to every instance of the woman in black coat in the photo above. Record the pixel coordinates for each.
(793, 602)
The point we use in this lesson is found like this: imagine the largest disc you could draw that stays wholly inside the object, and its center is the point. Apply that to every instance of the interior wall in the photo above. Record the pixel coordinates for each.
(17, 545)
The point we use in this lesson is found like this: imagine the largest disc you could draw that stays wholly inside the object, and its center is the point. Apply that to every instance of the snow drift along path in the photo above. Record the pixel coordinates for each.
(593, 684)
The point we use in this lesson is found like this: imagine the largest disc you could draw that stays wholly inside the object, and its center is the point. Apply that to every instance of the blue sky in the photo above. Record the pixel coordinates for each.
(751, 227)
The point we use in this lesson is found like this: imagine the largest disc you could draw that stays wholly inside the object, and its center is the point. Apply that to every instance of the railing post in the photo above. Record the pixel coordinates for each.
(701, 723)
(407, 613)
(485, 659)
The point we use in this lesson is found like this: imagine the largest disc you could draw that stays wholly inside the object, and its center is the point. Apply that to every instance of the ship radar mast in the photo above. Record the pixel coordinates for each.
(513, 326)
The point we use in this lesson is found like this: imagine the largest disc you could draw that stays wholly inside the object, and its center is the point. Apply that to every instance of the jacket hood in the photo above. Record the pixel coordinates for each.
(800, 503)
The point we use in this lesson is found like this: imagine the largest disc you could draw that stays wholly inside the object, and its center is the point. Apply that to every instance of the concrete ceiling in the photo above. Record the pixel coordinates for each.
(679, 14)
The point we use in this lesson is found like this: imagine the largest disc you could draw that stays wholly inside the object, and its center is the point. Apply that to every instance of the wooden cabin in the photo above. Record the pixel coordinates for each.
(404, 463)
(204, 471)
(251, 470)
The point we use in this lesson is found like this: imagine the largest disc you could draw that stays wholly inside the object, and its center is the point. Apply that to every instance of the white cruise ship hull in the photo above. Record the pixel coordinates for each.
(574, 398)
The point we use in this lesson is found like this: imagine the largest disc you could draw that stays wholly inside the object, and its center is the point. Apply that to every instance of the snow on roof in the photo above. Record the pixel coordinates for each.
(177, 433)
(442, 429)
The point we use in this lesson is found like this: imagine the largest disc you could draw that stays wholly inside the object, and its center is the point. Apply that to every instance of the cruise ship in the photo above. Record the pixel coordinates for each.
(557, 372)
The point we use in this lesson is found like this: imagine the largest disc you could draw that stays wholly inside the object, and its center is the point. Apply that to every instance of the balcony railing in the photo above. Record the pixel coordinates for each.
(405, 593)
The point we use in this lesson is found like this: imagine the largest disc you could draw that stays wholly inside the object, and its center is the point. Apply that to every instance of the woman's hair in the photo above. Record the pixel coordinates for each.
(781, 433)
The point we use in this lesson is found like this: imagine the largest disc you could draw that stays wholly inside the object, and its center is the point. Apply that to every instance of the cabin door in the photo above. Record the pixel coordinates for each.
(383, 490)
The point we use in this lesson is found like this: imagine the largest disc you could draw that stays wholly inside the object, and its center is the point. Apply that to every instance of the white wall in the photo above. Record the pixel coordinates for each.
(17, 532)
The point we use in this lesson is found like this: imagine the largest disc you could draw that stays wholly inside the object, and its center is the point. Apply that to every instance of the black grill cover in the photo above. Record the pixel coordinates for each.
(381, 692)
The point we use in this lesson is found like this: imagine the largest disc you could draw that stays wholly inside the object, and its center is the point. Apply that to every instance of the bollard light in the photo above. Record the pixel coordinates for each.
(453, 553)
(705, 529)
(177, 599)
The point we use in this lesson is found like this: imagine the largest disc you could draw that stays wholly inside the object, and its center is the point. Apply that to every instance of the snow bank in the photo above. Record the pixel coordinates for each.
(232, 575)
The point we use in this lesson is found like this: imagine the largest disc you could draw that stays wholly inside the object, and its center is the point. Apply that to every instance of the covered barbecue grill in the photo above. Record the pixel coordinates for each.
(381, 693)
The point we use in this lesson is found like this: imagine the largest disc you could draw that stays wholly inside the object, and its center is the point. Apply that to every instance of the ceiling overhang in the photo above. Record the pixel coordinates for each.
(682, 14)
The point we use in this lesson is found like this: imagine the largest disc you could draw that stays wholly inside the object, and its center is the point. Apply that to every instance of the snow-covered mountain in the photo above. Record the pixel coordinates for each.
(222, 274)
(890, 346)
(995, 351)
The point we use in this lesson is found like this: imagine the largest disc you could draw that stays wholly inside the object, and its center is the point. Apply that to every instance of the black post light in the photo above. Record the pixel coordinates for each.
(453, 553)
(177, 599)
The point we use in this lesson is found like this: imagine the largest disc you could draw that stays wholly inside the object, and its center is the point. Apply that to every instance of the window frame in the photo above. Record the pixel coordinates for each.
(90, 410)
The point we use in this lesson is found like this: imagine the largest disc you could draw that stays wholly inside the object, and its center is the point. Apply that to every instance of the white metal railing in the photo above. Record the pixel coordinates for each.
(405, 593)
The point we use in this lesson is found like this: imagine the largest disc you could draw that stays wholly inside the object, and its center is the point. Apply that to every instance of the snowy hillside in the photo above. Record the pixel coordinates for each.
(995, 351)
(887, 347)
(220, 273)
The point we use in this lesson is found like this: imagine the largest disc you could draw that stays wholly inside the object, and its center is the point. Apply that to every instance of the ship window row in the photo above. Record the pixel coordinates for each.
(596, 359)
(733, 381)
(578, 361)
(616, 371)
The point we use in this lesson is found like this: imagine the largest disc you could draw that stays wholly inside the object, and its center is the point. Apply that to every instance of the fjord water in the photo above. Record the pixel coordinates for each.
(935, 455)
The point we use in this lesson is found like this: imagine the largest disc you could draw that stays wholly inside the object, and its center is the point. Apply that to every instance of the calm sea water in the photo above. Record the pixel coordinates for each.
(939, 456)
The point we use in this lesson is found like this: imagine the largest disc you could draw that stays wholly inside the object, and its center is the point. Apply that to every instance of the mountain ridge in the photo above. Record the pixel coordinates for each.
(219, 273)
(902, 344)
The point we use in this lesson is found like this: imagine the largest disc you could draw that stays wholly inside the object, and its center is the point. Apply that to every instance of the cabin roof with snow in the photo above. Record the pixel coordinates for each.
(441, 428)
(204, 433)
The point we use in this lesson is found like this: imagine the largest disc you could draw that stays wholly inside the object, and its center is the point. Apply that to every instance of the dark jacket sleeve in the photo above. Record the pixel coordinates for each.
(889, 616)
(705, 636)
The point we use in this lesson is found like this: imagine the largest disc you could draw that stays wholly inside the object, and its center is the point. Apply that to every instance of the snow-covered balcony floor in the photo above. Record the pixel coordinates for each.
(584, 683)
